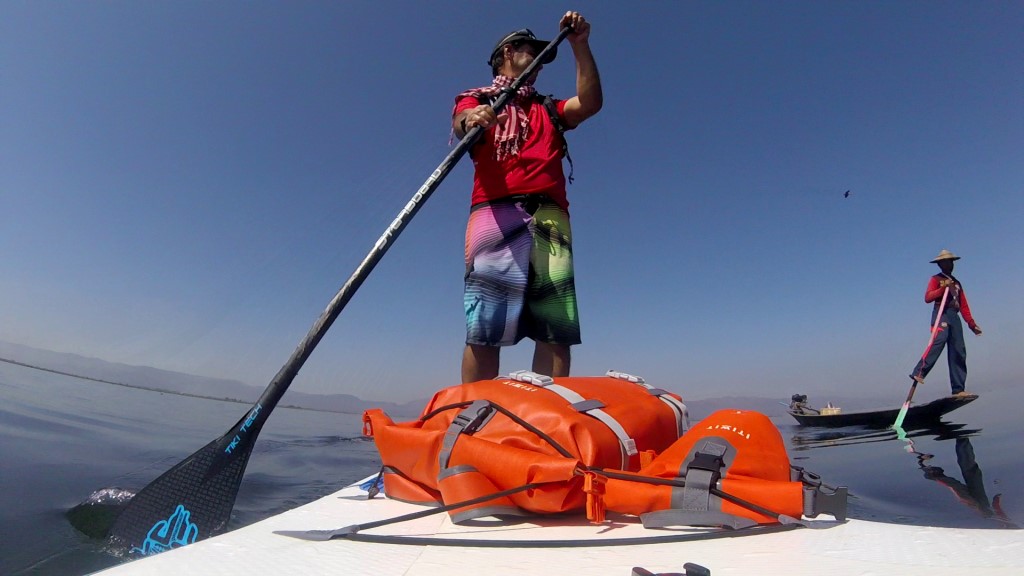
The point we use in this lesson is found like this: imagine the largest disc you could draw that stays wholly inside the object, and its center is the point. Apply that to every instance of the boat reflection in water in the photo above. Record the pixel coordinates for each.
(969, 490)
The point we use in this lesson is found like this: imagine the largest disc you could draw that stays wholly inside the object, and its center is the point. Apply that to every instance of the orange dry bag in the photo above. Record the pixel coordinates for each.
(533, 444)
(494, 435)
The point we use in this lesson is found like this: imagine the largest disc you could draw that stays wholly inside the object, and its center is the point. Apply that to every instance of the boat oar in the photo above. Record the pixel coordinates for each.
(193, 500)
(927, 349)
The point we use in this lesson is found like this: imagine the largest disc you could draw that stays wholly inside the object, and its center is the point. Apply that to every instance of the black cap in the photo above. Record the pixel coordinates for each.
(524, 36)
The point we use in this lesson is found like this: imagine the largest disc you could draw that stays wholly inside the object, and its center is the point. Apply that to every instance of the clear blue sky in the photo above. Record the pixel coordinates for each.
(187, 184)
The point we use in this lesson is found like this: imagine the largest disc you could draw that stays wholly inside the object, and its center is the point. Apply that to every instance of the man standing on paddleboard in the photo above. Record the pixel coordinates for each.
(519, 269)
(950, 331)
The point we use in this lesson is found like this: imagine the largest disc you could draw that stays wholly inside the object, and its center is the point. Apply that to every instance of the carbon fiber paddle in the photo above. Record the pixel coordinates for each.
(193, 500)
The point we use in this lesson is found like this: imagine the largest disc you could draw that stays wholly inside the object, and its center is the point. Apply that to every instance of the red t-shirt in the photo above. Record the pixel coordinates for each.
(536, 170)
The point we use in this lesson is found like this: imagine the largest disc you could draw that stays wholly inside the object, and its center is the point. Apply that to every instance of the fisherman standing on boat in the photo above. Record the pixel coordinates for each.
(950, 329)
(519, 269)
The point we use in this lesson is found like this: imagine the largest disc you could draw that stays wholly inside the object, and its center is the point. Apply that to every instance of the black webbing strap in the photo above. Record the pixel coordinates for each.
(549, 105)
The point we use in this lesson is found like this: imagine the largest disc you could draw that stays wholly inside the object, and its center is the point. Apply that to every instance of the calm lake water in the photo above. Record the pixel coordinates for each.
(63, 438)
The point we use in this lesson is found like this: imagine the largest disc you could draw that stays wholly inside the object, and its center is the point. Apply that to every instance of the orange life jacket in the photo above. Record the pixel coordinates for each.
(569, 444)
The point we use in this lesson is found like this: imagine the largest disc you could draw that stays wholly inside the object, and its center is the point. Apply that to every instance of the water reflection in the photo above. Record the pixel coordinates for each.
(810, 438)
(968, 490)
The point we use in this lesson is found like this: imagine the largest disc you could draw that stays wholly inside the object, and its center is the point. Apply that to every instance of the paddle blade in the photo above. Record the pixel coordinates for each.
(189, 502)
(901, 415)
(906, 404)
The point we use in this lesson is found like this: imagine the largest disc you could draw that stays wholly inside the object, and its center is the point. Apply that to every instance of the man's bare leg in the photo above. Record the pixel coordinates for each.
(551, 359)
(480, 362)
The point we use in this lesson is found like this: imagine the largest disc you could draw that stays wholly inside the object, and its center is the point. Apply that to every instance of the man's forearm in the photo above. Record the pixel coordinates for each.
(588, 80)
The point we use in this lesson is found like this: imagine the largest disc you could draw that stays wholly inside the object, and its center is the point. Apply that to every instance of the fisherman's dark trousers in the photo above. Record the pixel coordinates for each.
(951, 336)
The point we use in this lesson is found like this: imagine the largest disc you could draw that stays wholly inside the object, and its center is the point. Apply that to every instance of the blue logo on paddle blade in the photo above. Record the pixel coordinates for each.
(174, 532)
(245, 428)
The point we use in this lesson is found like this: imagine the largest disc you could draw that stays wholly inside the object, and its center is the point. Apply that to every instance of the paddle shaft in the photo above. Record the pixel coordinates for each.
(927, 349)
(209, 478)
(935, 325)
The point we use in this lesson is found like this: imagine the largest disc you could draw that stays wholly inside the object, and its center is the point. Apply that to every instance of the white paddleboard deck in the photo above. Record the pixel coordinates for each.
(855, 547)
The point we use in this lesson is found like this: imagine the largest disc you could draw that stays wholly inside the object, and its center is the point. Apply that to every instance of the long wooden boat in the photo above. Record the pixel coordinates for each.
(918, 414)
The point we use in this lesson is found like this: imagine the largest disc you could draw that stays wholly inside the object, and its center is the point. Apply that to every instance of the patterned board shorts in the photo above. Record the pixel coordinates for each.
(519, 274)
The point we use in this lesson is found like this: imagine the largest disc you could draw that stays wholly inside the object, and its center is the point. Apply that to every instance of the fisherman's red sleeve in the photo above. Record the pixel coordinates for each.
(934, 292)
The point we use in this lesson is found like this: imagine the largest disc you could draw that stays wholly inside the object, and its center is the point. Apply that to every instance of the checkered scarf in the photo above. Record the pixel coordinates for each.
(509, 135)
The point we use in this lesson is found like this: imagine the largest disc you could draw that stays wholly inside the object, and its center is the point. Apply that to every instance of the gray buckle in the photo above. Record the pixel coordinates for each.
(824, 501)
(469, 420)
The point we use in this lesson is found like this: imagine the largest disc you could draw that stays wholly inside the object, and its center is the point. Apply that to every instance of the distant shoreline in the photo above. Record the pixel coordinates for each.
(161, 390)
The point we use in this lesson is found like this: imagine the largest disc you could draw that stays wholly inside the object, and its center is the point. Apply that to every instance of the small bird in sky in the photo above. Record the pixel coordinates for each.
(846, 194)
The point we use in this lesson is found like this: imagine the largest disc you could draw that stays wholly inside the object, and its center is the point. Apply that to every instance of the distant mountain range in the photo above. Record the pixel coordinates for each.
(144, 377)
(147, 378)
